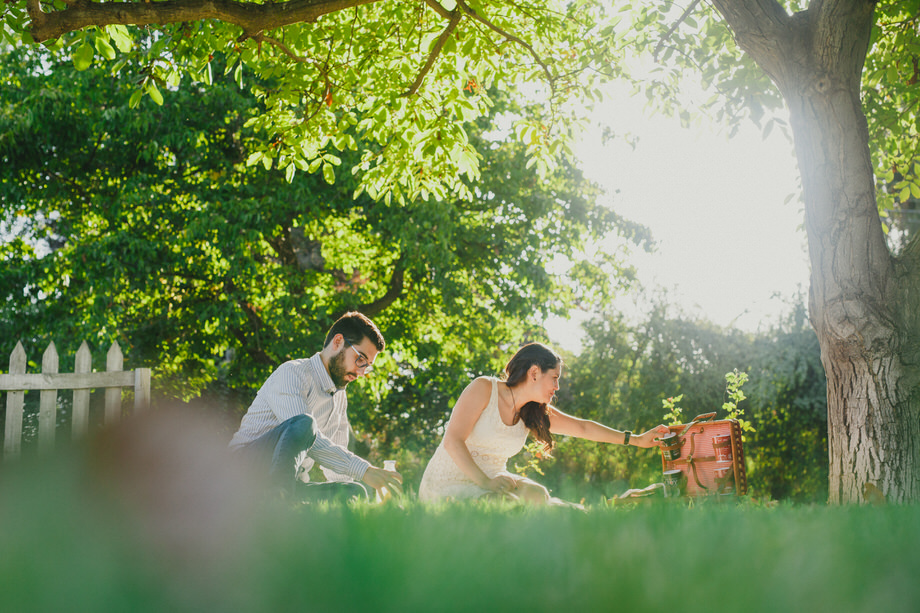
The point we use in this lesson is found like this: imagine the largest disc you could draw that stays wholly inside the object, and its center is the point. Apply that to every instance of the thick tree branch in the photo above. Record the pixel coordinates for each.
(510, 37)
(440, 10)
(767, 32)
(674, 27)
(249, 337)
(442, 39)
(261, 38)
(764, 20)
(253, 18)
(394, 291)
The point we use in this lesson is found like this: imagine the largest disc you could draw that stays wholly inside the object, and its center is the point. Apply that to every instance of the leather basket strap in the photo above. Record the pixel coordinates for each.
(691, 461)
(698, 419)
(677, 445)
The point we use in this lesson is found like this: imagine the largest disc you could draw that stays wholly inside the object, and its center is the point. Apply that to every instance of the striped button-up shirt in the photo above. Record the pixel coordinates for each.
(304, 387)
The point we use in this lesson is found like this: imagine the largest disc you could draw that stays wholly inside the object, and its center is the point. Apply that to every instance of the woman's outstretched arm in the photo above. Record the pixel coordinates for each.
(568, 425)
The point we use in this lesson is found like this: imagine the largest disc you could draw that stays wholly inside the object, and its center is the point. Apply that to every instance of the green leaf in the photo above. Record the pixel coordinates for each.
(768, 128)
(238, 75)
(83, 56)
(122, 38)
(135, 98)
(154, 92)
(329, 173)
(892, 73)
(173, 78)
(104, 48)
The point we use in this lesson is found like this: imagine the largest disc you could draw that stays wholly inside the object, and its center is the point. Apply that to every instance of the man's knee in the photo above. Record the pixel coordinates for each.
(301, 428)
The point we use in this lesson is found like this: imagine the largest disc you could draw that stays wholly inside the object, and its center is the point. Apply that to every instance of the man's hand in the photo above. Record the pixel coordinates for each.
(378, 478)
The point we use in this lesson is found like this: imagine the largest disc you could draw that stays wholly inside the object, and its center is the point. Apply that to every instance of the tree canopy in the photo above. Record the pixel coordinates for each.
(404, 78)
(396, 83)
(149, 226)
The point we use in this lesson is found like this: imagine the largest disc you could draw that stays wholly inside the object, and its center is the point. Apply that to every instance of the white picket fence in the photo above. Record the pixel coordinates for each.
(81, 381)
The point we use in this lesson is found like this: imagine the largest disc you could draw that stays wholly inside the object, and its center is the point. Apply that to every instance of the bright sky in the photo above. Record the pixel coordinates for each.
(727, 241)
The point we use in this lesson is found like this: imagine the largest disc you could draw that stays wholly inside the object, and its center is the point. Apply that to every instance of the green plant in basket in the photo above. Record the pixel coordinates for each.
(734, 380)
(673, 416)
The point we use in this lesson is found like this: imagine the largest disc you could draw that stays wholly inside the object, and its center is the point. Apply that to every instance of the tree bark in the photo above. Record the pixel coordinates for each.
(858, 293)
(251, 17)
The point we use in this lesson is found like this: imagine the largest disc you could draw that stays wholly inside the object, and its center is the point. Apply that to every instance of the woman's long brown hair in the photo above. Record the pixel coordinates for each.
(535, 415)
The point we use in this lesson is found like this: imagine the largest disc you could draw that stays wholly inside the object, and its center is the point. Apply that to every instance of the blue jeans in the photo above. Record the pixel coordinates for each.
(277, 449)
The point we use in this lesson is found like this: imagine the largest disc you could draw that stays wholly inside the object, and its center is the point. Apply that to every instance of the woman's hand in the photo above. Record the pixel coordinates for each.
(502, 485)
(647, 439)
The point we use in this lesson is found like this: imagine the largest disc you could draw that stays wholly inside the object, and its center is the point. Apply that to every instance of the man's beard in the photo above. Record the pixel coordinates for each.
(337, 370)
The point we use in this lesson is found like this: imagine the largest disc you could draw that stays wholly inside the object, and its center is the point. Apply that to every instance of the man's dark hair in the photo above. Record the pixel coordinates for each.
(355, 327)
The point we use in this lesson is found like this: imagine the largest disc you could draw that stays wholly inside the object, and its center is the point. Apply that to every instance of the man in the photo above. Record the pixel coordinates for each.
(299, 417)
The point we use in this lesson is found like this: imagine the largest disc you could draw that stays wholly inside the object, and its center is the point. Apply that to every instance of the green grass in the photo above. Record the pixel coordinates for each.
(139, 525)
(64, 551)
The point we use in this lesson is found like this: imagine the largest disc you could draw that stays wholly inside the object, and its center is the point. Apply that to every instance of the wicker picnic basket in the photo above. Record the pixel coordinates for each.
(709, 455)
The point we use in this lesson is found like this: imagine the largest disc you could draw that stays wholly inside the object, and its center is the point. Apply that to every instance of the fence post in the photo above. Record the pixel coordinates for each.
(47, 407)
(82, 364)
(114, 360)
(141, 389)
(12, 436)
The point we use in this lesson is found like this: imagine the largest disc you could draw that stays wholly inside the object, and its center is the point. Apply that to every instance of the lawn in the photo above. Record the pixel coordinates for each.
(68, 545)
(154, 517)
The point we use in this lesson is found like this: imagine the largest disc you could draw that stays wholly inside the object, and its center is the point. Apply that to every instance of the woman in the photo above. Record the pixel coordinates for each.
(491, 421)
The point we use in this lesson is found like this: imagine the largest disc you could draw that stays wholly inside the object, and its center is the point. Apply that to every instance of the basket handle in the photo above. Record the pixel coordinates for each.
(699, 418)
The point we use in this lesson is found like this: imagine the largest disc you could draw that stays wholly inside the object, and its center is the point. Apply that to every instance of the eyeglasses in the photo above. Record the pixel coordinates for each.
(361, 362)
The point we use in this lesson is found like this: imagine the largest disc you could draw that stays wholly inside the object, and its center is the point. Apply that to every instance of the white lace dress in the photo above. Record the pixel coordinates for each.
(491, 443)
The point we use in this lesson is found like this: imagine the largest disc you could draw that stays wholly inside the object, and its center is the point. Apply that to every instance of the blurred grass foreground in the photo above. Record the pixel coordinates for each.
(153, 516)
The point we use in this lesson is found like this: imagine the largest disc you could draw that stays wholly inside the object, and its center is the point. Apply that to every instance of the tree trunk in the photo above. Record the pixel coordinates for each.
(861, 304)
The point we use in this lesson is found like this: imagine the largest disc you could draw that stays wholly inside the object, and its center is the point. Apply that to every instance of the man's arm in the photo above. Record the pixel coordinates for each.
(335, 457)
